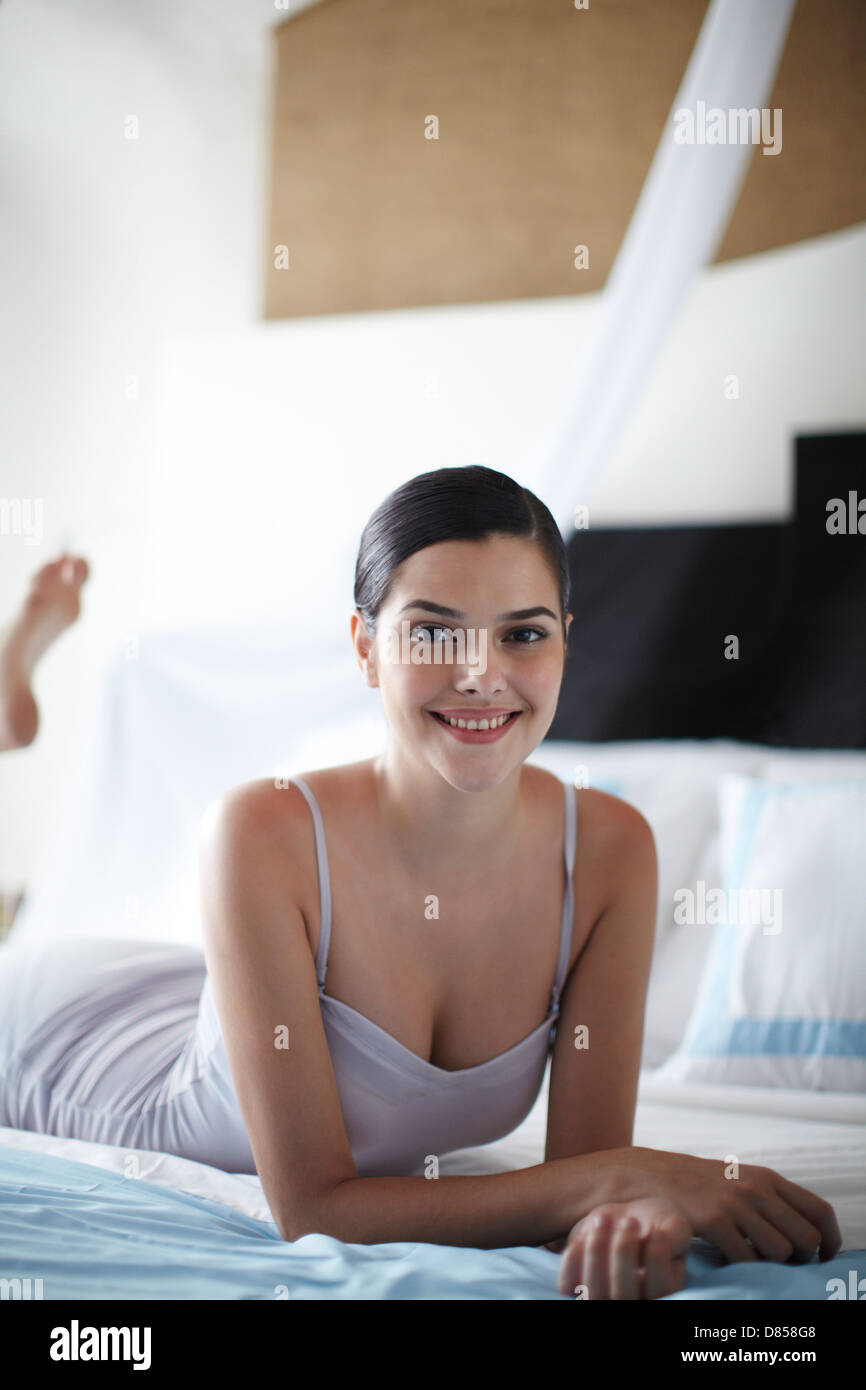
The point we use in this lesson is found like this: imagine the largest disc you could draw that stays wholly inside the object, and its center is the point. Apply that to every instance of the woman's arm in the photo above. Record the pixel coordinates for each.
(488, 1212)
(596, 1056)
(264, 982)
(593, 1087)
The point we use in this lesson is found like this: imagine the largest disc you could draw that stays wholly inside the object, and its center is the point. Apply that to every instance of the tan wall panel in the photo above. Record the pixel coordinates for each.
(818, 183)
(548, 120)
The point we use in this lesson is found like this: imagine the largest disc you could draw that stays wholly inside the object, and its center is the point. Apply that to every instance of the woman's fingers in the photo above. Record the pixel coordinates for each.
(597, 1256)
(571, 1264)
(768, 1240)
(627, 1251)
(725, 1233)
(586, 1263)
(780, 1232)
(766, 1218)
(783, 1220)
(657, 1258)
(625, 1247)
(664, 1255)
(816, 1211)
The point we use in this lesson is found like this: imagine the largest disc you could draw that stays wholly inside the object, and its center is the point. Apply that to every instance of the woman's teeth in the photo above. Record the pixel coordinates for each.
(479, 724)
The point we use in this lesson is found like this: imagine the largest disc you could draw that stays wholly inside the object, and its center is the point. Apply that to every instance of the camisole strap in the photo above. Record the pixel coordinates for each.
(324, 882)
(569, 843)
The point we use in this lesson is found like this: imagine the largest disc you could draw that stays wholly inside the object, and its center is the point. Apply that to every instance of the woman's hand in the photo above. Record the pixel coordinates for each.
(627, 1250)
(757, 1215)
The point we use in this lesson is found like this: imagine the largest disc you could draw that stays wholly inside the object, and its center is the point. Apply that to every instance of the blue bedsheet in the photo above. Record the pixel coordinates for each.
(88, 1233)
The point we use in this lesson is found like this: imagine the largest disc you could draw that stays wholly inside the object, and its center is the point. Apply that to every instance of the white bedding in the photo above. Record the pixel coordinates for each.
(816, 1139)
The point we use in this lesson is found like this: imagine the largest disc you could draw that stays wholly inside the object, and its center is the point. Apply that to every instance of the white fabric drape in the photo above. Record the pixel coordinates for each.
(681, 215)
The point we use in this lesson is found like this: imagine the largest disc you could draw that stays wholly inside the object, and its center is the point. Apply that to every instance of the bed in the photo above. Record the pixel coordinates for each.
(755, 784)
(173, 1229)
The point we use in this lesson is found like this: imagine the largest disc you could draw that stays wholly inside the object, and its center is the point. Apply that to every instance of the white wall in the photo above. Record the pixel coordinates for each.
(276, 441)
(106, 246)
(238, 478)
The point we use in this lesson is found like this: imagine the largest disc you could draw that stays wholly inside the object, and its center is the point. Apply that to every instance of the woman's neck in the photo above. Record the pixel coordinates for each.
(428, 820)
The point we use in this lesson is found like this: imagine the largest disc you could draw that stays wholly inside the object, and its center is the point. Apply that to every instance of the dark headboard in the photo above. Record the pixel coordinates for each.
(653, 606)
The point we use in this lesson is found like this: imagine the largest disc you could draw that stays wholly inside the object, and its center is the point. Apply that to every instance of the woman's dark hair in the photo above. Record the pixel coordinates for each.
(451, 504)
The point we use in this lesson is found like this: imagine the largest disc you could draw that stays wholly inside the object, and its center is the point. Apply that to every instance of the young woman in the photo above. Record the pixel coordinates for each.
(395, 946)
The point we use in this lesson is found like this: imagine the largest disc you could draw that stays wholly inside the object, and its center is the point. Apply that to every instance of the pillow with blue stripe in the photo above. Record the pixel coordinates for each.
(782, 1000)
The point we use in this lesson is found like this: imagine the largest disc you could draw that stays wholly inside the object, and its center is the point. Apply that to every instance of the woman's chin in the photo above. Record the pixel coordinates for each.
(474, 779)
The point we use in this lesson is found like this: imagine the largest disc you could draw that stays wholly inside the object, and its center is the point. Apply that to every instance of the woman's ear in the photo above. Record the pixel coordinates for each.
(363, 644)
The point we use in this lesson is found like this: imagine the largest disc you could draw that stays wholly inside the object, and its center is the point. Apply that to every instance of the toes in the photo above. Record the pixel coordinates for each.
(75, 570)
(69, 569)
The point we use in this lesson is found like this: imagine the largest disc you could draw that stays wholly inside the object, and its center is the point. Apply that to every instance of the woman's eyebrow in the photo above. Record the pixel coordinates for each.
(454, 613)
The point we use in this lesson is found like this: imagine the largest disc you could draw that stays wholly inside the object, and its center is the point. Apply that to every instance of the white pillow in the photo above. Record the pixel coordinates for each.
(674, 783)
(782, 1001)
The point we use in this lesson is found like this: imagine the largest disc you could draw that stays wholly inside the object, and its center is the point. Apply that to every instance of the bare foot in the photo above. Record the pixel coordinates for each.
(52, 604)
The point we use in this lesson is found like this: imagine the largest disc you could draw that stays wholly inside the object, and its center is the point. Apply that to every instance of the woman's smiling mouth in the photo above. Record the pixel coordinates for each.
(478, 726)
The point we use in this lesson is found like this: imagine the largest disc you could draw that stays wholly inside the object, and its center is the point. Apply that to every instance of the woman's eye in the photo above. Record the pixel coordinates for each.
(438, 633)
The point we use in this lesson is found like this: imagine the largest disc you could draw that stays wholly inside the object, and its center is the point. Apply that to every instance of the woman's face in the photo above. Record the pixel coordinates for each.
(470, 630)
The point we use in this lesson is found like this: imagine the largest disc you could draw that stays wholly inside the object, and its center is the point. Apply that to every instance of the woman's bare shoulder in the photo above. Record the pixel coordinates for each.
(615, 848)
(343, 782)
(600, 811)
(610, 812)
(611, 830)
(273, 813)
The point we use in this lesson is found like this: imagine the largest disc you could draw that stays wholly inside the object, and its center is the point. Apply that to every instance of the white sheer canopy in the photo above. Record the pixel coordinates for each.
(681, 215)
